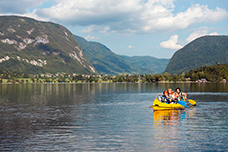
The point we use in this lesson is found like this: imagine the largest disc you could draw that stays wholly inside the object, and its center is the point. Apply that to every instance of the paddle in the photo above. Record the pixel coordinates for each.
(191, 101)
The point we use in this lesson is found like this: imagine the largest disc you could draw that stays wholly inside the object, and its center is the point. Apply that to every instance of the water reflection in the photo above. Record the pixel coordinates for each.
(168, 129)
(109, 117)
(168, 117)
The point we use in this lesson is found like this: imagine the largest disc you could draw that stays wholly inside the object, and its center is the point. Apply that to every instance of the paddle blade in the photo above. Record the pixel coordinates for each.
(191, 101)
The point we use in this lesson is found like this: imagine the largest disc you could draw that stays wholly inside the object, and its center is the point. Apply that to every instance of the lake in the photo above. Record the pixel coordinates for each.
(111, 117)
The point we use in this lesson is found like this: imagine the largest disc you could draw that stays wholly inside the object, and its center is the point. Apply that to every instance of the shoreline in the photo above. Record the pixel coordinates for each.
(161, 82)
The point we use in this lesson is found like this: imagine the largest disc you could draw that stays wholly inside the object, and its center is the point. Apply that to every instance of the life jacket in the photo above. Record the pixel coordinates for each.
(164, 98)
(180, 96)
(172, 96)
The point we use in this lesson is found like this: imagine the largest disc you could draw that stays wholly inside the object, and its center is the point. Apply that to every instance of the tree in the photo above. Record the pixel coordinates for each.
(176, 78)
(61, 79)
(47, 80)
(158, 77)
(166, 75)
(52, 79)
(13, 79)
(25, 75)
(32, 79)
(135, 78)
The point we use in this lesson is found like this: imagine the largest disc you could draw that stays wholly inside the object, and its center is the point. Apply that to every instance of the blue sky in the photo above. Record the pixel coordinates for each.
(130, 27)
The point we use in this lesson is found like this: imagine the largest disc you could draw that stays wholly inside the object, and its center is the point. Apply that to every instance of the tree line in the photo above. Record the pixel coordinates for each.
(215, 73)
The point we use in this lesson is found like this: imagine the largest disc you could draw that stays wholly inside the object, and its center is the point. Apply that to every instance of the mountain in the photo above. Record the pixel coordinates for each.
(103, 59)
(31, 46)
(107, 62)
(147, 64)
(204, 51)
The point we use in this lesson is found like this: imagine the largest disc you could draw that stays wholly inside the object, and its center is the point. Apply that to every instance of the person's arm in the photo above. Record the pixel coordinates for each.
(176, 95)
(185, 95)
(159, 97)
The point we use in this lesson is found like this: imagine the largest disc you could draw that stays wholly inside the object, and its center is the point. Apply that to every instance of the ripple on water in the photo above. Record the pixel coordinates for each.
(109, 118)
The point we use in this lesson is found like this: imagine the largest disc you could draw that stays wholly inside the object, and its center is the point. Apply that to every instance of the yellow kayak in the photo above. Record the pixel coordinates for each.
(157, 105)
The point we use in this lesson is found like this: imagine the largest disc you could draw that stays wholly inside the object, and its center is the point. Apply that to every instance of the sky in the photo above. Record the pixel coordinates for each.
(156, 28)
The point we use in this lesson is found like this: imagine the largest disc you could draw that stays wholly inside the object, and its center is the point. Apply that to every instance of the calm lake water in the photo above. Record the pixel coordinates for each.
(110, 117)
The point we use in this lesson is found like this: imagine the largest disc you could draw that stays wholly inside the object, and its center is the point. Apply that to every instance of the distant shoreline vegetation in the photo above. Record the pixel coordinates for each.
(215, 73)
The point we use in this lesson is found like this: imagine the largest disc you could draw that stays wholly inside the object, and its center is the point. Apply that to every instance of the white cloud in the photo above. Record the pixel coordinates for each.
(128, 16)
(35, 16)
(130, 47)
(116, 16)
(199, 14)
(214, 33)
(30, 15)
(171, 43)
(89, 37)
(94, 28)
(18, 6)
(198, 33)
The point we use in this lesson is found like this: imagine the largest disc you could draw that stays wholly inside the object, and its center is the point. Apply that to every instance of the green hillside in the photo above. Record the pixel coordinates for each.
(147, 64)
(107, 62)
(103, 59)
(204, 51)
(31, 46)
(212, 73)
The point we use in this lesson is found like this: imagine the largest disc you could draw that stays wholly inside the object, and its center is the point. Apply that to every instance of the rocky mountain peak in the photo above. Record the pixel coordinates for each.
(34, 46)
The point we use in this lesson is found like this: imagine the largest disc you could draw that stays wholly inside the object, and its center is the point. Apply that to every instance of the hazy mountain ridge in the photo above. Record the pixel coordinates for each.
(103, 59)
(204, 51)
(38, 47)
(147, 64)
(107, 62)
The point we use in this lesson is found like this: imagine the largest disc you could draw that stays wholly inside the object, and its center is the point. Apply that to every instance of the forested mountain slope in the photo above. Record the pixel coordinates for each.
(204, 51)
(103, 59)
(31, 46)
(212, 73)
(107, 62)
(147, 64)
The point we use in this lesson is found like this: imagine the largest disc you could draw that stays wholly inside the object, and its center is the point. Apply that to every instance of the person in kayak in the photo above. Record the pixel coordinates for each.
(179, 95)
(171, 96)
(164, 98)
